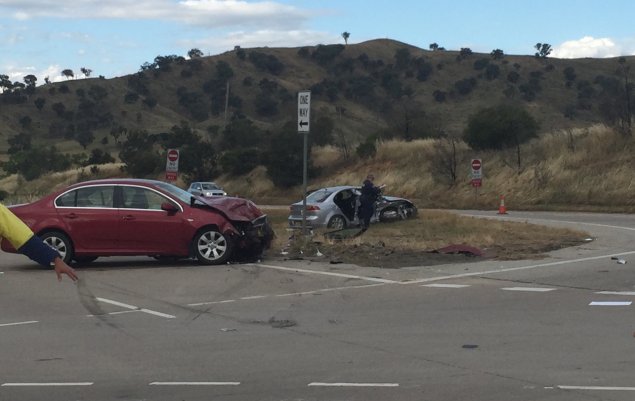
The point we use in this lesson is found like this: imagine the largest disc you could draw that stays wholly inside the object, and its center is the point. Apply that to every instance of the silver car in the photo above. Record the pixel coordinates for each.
(206, 189)
(336, 208)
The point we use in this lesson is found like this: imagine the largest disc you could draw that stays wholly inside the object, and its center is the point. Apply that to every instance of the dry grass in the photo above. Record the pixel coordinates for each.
(434, 229)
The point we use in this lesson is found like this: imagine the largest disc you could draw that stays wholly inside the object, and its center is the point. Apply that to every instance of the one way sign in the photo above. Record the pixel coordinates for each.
(304, 111)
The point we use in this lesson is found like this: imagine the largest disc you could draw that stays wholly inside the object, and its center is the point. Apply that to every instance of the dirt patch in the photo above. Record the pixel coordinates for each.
(359, 252)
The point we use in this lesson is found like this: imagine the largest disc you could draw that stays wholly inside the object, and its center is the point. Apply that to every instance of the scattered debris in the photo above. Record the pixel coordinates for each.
(621, 262)
(318, 253)
(226, 329)
(470, 346)
(281, 323)
(614, 258)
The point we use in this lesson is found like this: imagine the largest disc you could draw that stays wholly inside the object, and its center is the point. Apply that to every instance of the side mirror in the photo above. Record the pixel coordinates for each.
(169, 207)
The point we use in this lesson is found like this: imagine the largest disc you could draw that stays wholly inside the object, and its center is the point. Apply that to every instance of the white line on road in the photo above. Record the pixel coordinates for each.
(596, 388)
(18, 323)
(528, 289)
(46, 384)
(292, 269)
(512, 269)
(286, 295)
(132, 307)
(626, 293)
(445, 285)
(194, 384)
(319, 384)
(610, 303)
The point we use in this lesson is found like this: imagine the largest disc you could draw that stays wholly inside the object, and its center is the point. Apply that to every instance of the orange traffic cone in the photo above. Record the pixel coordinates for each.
(501, 208)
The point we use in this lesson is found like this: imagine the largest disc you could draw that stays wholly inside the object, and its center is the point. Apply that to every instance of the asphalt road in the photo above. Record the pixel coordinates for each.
(559, 328)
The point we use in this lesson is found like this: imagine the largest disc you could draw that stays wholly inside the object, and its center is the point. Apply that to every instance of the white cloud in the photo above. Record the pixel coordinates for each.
(262, 38)
(587, 46)
(209, 13)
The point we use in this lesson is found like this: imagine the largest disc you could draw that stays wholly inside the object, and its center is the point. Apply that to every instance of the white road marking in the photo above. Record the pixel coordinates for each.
(46, 384)
(511, 269)
(528, 289)
(625, 293)
(286, 295)
(118, 313)
(596, 388)
(319, 384)
(212, 302)
(136, 308)
(291, 269)
(551, 221)
(194, 384)
(18, 323)
(610, 303)
(445, 285)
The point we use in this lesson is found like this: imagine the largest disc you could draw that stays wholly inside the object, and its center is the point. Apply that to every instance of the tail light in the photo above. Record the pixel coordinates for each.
(312, 208)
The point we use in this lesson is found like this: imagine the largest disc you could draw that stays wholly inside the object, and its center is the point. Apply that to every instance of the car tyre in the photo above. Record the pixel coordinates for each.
(85, 260)
(337, 222)
(61, 243)
(390, 214)
(212, 247)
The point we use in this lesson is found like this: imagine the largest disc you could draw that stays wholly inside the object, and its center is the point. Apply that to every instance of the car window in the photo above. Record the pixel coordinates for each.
(318, 196)
(209, 186)
(177, 192)
(95, 196)
(142, 198)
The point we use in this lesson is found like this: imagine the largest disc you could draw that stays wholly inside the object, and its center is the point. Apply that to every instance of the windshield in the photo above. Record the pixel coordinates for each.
(176, 191)
(210, 185)
(318, 196)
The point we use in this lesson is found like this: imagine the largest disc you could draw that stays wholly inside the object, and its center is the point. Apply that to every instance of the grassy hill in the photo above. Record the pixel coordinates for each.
(382, 89)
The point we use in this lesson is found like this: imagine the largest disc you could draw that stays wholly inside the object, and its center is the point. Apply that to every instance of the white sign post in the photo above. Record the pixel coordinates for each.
(304, 111)
(304, 122)
(172, 165)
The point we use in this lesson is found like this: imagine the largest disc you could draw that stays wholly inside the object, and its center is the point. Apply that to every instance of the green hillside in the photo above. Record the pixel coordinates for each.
(373, 91)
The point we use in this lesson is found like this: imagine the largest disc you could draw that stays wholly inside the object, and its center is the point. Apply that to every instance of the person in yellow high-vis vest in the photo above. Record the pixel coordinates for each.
(22, 238)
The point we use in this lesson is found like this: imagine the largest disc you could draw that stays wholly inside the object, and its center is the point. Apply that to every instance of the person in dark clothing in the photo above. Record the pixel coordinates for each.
(369, 195)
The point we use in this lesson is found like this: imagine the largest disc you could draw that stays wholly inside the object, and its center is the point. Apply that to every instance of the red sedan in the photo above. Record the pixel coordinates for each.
(116, 217)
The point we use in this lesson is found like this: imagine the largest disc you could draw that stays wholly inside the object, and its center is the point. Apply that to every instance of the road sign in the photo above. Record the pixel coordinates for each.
(172, 165)
(304, 111)
(477, 170)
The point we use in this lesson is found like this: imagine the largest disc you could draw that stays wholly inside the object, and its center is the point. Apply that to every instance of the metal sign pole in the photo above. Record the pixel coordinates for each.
(304, 121)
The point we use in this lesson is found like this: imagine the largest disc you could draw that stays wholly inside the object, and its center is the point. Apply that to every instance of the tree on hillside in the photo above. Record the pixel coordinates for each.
(86, 71)
(195, 53)
(544, 49)
(39, 103)
(68, 73)
(616, 97)
(346, 35)
(30, 80)
(500, 127)
(497, 54)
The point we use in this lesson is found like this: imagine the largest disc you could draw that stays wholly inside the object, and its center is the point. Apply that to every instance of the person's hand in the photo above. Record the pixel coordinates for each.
(63, 268)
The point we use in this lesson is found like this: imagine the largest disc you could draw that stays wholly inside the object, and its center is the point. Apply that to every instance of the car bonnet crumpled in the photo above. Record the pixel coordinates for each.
(235, 209)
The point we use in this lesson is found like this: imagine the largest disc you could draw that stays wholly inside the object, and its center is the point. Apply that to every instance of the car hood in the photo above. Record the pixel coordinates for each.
(235, 209)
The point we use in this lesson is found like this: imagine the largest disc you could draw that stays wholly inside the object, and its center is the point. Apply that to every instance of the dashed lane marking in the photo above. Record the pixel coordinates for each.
(445, 285)
(342, 275)
(596, 388)
(68, 384)
(135, 308)
(320, 384)
(285, 295)
(625, 293)
(194, 384)
(528, 289)
(610, 303)
(18, 323)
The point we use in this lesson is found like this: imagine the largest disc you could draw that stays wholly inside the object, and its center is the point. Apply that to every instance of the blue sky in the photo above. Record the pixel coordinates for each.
(115, 37)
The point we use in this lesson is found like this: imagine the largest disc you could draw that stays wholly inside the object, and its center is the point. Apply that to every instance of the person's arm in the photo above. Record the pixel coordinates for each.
(30, 245)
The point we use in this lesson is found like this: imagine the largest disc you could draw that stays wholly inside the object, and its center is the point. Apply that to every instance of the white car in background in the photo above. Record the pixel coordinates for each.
(206, 189)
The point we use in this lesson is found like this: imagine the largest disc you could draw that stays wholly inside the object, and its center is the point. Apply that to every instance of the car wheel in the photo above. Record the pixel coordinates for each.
(389, 214)
(212, 247)
(61, 243)
(337, 222)
(84, 260)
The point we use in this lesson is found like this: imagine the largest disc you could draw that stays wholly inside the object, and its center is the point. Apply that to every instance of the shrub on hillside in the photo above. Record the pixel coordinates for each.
(240, 161)
(500, 127)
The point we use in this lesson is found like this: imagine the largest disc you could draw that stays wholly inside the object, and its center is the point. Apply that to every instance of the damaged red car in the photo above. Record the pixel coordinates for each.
(125, 217)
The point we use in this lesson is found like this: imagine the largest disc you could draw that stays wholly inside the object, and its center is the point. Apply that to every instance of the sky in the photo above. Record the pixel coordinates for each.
(115, 37)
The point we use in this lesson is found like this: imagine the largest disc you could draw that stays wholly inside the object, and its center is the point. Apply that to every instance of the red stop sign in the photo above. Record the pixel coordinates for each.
(173, 155)
(476, 164)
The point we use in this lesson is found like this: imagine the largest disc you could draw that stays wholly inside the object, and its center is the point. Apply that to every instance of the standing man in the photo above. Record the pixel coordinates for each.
(367, 200)
(30, 245)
